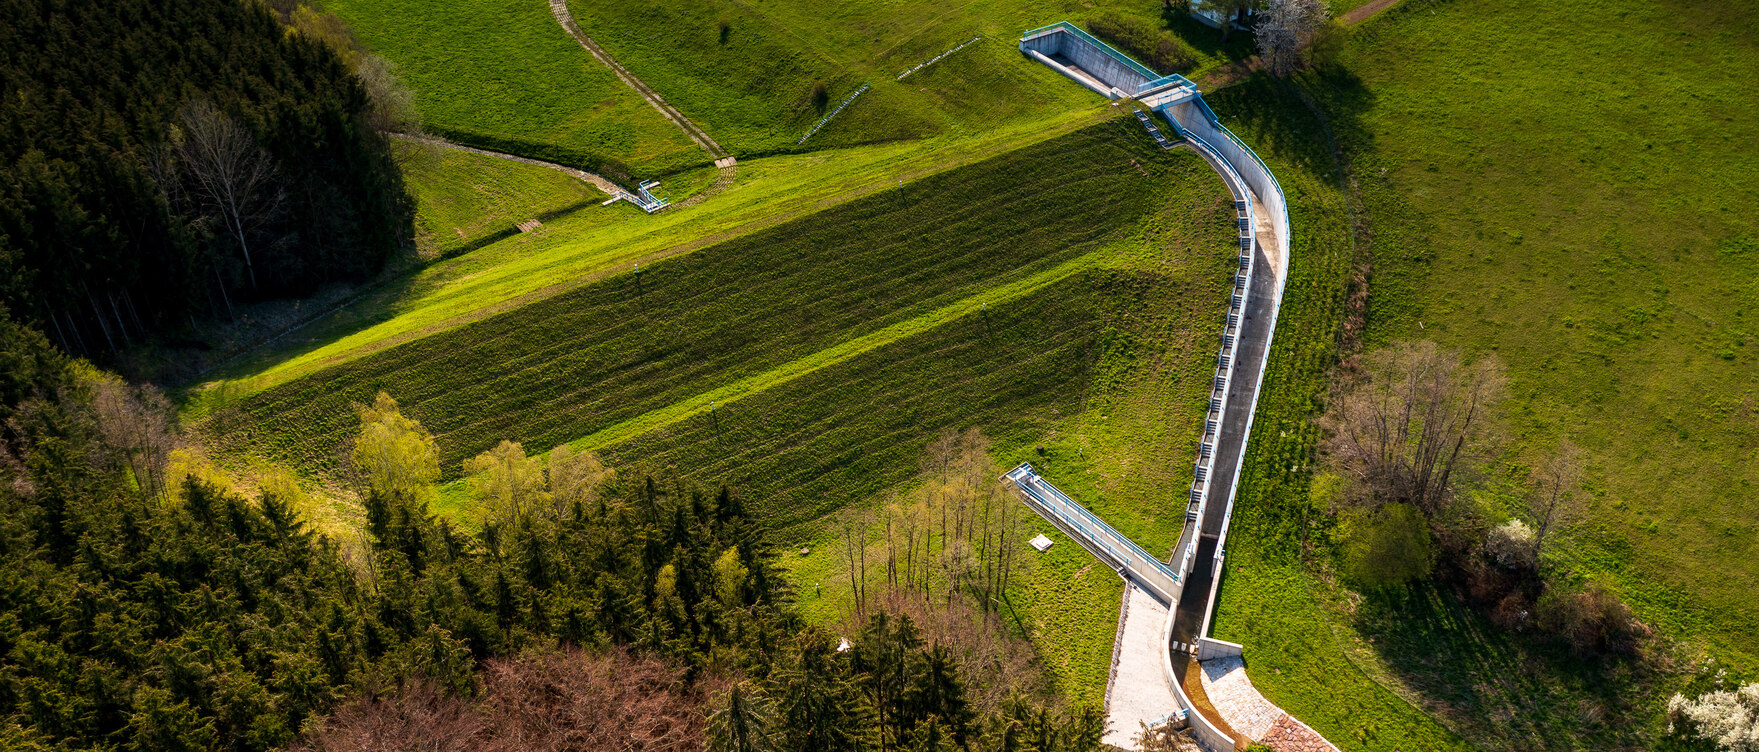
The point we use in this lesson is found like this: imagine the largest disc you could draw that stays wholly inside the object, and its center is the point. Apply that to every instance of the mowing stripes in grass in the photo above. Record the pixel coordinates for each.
(577, 363)
(735, 391)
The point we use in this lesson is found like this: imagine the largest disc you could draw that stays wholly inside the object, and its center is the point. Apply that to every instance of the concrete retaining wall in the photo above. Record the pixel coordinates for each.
(1111, 67)
(1210, 737)
(1208, 648)
(1195, 116)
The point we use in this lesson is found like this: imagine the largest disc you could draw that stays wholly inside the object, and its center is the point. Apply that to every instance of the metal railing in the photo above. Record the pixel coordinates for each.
(1215, 419)
(1090, 526)
(1082, 35)
(821, 122)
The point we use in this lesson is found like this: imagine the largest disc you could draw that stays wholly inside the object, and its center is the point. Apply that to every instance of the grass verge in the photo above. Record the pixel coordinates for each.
(467, 201)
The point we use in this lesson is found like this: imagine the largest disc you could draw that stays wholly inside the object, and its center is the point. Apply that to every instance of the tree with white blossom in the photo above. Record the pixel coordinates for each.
(1285, 28)
(1731, 719)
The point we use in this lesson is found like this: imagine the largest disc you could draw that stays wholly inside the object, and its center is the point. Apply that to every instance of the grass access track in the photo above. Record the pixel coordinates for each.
(467, 201)
(503, 75)
(570, 365)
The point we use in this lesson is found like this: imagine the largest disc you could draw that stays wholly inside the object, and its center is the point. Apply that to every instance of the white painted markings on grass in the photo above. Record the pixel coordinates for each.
(937, 58)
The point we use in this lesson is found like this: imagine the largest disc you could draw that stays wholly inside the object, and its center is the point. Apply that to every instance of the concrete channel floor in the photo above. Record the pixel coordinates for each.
(1255, 332)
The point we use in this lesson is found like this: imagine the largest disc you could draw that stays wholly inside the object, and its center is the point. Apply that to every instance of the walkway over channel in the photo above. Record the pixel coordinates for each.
(1263, 234)
(1099, 538)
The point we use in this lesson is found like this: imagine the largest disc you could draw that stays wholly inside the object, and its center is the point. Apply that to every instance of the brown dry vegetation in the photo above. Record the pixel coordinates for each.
(569, 700)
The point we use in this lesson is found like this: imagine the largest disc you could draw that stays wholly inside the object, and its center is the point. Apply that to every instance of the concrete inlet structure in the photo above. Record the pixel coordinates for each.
(1263, 245)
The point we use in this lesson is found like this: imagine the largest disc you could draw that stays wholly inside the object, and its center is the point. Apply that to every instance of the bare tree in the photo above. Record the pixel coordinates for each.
(233, 177)
(1399, 433)
(852, 528)
(135, 423)
(1285, 29)
(393, 103)
(1556, 502)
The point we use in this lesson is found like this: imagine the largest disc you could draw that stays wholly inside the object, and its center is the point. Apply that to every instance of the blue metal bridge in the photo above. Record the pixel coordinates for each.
(1102, 540)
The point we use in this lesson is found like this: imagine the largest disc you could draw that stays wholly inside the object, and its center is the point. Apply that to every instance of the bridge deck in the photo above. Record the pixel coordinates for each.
(1103, 540)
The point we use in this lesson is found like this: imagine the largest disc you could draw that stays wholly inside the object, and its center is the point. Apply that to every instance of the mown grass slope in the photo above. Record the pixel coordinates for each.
(503, 75)
(1105, 366)
(1105, 370)
(749, 72)
(466, 201)
(598, 242)
(561, 368)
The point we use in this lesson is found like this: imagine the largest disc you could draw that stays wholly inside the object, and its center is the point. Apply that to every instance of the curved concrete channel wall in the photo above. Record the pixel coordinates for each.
(1256, 301)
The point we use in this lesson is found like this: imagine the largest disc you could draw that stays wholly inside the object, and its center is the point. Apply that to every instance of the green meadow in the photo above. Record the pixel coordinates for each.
(1582, 215)
(1593, 228)
(595, 243)
(985, 244)
(1065, 295)
(503, 75)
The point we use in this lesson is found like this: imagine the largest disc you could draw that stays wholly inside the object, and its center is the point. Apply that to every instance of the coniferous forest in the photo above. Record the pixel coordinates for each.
(141, 609)
(163, 160)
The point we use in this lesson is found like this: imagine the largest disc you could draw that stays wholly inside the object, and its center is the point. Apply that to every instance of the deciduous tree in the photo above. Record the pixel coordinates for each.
(507, 484)
(1285, 28)
(1556, 501)
(397, 456)
(1401, 431)
(234, 178)
(1729, 718)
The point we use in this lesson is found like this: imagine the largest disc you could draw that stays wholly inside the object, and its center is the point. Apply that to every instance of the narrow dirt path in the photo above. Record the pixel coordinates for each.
(598, 181)
(1366, 11)
(723, 161)
(559, 8)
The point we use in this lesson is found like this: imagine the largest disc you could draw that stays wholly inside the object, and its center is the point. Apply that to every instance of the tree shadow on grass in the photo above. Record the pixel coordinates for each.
(1504, 690)
(1204, 38)
(1276, 120)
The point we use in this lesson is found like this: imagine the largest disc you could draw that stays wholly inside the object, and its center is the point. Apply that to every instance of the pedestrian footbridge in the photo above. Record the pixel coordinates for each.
(1102, 540)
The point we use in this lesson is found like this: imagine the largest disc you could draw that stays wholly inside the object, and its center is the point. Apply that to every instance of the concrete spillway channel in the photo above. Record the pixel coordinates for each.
(1187, 585)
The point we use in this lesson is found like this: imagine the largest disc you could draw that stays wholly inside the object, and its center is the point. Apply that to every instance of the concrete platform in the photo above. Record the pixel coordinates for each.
(1138, 692)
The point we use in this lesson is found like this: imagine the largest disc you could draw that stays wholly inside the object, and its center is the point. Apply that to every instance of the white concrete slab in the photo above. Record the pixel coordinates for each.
(1138, 693)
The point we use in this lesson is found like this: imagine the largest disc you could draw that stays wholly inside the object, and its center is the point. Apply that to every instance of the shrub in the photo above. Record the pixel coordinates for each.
(1513, 613)
(821, 96)
(1511, 545)
(1155, 47)
(1592, 621)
